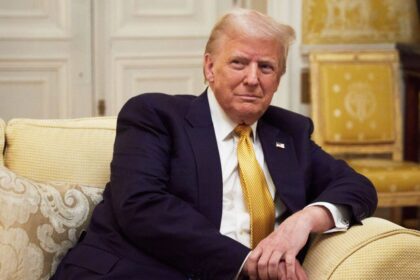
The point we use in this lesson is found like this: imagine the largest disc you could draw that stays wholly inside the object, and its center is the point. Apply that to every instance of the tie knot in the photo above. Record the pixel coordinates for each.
(243, 130)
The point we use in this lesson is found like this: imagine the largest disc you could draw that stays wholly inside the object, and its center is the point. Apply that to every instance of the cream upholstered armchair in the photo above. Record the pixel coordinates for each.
(356, 109)
(52, 173)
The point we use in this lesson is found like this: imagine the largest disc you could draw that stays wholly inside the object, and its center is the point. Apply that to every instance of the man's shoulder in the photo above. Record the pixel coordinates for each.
(158, 102)
(287, 120)
(280, 114)
(161, 99)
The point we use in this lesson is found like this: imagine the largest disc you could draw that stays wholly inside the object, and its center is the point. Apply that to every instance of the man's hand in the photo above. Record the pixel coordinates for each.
(281, 273)
(300, 273)
(275, 256)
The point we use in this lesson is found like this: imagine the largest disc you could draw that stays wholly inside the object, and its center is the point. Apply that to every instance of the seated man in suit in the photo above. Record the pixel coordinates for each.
(220, 185)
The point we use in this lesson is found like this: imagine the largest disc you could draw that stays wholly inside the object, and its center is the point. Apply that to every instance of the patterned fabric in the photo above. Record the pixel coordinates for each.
(39, 222)
(355, 101)
(388, 175)
(377, 250)
(255, 188)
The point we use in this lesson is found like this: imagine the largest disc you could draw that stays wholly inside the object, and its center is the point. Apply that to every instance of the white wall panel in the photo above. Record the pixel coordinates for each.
(143, 46)
(288, 94)
(34, 88)
(162, 18)
(34, 19)
(168, 73)
(20, 91)
(45, 56)
(164, 8)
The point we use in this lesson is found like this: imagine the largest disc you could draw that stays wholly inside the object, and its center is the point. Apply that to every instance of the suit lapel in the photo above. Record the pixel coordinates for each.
(281, 161)
(279, 154)
(200, 131)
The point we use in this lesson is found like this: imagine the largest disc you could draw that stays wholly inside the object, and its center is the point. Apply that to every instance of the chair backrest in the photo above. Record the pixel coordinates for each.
(65, 150)
(356, 102)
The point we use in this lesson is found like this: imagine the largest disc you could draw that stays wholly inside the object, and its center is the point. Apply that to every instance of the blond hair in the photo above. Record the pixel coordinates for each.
(250, 23)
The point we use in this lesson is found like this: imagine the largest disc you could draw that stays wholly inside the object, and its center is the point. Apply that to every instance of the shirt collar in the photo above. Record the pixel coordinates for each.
(223, 125)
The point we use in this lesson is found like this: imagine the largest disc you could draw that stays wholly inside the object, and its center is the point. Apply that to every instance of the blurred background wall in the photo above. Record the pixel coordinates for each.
(74, 58)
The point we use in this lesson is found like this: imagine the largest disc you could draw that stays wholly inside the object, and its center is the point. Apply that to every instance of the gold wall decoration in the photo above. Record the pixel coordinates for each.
(360, 21)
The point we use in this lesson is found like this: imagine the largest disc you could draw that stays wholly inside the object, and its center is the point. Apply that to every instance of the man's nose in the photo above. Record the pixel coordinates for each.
(251, 78)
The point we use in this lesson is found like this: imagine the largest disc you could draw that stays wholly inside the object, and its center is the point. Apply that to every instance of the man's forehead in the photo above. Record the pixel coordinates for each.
(245, 51)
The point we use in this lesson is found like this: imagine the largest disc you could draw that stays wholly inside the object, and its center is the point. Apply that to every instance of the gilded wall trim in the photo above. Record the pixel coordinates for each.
(359, 21)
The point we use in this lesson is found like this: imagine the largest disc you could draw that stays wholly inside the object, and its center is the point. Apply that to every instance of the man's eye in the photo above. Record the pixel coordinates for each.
(266, 68)
(237, 63)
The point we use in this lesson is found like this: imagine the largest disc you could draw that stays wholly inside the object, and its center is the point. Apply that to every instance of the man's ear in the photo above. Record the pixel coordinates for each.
(208, 67)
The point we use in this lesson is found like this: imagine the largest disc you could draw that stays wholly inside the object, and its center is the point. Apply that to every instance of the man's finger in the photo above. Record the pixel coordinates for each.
(273, 265)
(300, 273)
(252, 262)
(290, 267)
(282, 271)
(263, 263)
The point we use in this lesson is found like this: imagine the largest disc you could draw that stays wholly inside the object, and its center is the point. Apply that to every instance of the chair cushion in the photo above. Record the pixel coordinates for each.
(39, 222)
(377, 250)
(389, 175)
(2, 140)
(74, 150)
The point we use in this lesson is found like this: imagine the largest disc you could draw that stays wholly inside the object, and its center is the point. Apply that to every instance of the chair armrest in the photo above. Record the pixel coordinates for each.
(377, 250)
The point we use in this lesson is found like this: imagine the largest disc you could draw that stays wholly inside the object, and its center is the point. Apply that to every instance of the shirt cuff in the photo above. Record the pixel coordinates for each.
(238, 275)
(339, 213)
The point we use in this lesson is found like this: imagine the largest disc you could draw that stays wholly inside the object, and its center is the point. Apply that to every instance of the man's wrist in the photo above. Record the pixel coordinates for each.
(339, 213)
(319, 218)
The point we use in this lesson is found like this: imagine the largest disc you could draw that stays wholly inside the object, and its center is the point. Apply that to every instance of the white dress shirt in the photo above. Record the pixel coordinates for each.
(235, 221)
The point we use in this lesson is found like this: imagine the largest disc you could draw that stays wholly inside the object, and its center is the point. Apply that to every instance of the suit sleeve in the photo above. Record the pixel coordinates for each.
(149, 215)
(334, 181)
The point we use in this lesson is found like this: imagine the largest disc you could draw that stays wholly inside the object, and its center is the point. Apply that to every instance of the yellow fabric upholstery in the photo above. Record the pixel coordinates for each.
(356, 102)
(357, 114)
(2, 139)
(388, 175)
(377, 250)
(358, 95)
(74, 151)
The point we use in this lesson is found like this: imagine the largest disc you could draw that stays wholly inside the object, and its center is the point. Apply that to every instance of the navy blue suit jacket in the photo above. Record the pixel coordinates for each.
(162, 208)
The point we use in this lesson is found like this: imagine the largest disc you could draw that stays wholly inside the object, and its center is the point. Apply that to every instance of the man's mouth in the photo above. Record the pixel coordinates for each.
(248, 97)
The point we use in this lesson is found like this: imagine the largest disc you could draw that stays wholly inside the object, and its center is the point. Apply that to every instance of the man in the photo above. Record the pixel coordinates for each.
(198, 183)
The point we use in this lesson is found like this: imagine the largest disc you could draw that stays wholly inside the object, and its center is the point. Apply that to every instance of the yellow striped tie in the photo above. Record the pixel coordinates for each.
(254, 187)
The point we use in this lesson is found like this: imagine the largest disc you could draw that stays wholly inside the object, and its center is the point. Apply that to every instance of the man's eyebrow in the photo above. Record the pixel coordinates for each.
(267, 60)
(262, 60)
(238, 56)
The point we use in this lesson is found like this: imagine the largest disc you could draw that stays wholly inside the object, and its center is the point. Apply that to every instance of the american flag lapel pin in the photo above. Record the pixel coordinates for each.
(280, 145)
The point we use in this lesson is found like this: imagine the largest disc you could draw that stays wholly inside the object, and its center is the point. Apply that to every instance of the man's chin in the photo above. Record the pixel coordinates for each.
(249, 116)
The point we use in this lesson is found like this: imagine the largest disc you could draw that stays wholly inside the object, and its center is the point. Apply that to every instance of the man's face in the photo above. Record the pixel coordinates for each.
(244, 73)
